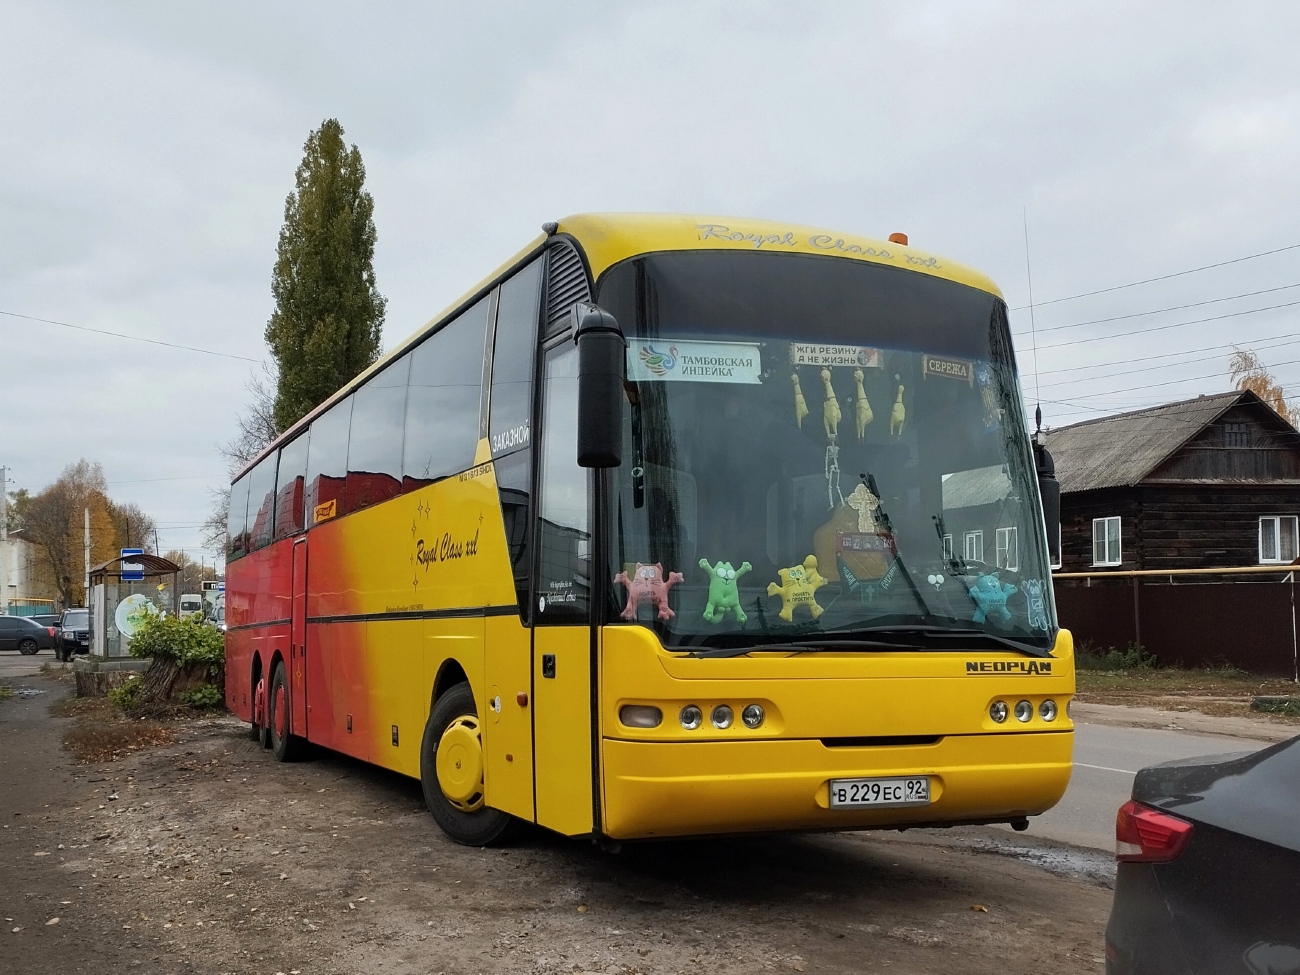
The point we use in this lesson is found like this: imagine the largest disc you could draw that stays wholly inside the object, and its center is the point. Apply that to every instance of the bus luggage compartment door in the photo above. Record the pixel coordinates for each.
(298, 641)
(562, 728)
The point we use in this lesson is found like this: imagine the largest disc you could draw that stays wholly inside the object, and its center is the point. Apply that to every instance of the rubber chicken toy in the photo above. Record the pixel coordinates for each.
(800, 404)
(861, 406)
(898, 415)
(831, 409)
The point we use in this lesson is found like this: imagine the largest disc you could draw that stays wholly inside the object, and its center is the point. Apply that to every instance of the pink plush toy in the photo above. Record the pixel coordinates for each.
(648, 582)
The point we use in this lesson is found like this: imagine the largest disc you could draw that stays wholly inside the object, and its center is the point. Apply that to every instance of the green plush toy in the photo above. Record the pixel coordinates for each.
(723, 594)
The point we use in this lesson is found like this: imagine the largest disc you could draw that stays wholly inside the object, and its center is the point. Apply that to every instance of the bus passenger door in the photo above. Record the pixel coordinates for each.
(562, 633)
(298, 640)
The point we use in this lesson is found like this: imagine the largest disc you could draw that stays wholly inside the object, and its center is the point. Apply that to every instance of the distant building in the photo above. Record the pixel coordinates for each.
(1211, 481)
(30, 580)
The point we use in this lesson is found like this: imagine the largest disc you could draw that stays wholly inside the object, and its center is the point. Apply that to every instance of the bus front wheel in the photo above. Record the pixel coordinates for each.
(451, 772)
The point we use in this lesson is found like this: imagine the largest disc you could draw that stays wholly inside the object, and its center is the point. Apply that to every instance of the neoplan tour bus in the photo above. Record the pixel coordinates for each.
(672, 526)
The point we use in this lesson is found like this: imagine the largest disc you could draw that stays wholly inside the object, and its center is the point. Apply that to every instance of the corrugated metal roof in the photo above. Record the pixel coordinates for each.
(981, 485)
(1119, 451)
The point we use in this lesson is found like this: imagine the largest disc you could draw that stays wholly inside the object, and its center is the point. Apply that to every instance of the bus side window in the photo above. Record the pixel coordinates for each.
(514, 358)
(375, 440)
(261, 502)
(289, 486)
(563, 532)
(237, 520)
(442, 400)
(327, 463)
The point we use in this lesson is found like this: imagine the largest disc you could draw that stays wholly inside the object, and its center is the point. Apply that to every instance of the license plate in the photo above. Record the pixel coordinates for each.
(912, 790)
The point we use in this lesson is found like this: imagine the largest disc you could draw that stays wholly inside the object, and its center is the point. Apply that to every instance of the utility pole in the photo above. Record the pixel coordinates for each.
(4, 543)
(86, 583)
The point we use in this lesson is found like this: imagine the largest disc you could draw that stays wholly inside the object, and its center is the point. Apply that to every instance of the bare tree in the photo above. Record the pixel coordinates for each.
(257, 429)
(133, 527)
(1249, 373)
(192, 573)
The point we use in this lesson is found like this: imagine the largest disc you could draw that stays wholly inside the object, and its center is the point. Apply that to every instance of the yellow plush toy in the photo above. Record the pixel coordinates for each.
(799, 583)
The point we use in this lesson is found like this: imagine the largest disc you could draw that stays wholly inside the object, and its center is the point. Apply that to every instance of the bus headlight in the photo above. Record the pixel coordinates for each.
(752, 716)
(1047, 710)
(721, 716)
(998, 711)
(691, 717)
(1024, 710)
(640, 716)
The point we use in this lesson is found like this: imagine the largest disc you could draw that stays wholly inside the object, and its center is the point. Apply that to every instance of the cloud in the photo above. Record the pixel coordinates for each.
(149, 150)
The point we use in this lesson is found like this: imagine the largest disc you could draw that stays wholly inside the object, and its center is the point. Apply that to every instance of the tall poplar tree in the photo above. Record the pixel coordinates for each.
(328, 313)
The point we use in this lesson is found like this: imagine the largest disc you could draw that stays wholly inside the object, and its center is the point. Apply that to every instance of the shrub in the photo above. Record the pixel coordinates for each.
(1135, 657)
(123, 696)
(204, 697)
(185, 641)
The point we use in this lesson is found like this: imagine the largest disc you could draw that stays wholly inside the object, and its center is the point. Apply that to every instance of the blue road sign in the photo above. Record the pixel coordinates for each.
(132, 571)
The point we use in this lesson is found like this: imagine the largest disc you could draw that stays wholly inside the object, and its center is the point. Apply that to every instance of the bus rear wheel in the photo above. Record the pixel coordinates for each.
(451, 772)
(285, 745)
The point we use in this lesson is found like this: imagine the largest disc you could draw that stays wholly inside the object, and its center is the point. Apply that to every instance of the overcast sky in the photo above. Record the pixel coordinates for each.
(148, 149)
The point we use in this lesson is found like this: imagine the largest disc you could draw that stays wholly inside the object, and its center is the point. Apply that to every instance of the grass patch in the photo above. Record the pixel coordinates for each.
(1287, 707)
(6, 691)
(1134, 657)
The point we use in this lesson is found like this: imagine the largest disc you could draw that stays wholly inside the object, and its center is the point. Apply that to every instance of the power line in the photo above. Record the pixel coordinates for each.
(1159, 328)
(153, 480)
(1129, 372)
(133, 338)
(1157, 311)
(1264, 342)
(1171, 382)
(1162, 277)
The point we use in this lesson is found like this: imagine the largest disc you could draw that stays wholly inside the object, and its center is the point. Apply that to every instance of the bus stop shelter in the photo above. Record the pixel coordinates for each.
(117, 603)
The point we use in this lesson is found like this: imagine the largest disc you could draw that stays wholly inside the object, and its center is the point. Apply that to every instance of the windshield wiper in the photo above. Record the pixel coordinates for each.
(948, 631)
(803, 646)
(882, 633)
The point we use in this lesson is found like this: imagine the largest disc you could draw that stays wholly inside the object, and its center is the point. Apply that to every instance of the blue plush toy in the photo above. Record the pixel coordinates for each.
(990, 594)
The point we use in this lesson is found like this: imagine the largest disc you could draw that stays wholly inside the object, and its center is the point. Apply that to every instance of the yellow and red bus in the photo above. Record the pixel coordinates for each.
(671, 526)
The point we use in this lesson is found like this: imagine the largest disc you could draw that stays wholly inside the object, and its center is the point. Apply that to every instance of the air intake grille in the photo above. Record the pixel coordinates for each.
(566, 283)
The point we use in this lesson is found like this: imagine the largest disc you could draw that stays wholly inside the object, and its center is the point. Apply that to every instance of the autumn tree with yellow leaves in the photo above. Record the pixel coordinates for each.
(54, 520)
(1249, 373)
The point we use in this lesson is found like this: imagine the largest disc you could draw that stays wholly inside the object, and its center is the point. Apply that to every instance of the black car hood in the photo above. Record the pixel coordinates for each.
(1255, 794)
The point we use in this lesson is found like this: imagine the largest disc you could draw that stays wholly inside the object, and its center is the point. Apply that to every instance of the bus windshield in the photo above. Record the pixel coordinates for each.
(818, 447)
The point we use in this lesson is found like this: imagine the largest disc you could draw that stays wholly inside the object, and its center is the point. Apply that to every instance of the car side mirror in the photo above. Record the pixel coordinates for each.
(1049, 489)
(602, 369)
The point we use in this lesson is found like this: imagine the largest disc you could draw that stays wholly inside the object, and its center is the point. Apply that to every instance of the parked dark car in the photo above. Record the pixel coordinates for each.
(74, 633)
(1209, 868)
(47, 619)
(25, 635)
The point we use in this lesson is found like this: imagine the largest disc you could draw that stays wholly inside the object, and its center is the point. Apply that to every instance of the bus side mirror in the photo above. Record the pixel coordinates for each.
(1049, 489)
(602, 366)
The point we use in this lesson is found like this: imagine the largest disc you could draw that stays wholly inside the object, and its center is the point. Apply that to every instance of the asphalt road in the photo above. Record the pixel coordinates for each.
(1105, 757)
(14, 664)
(1105, 761)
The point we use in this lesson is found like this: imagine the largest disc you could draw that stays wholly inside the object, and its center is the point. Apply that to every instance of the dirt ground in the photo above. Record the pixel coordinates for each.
(206, 856)
(1213, 692)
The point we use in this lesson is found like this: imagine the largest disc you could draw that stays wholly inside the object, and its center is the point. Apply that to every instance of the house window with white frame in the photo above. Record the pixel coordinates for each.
(947, 548)
(1008, 548)
(1277, 539)
(1060, 553)
(974, 546)
(1106, 541)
